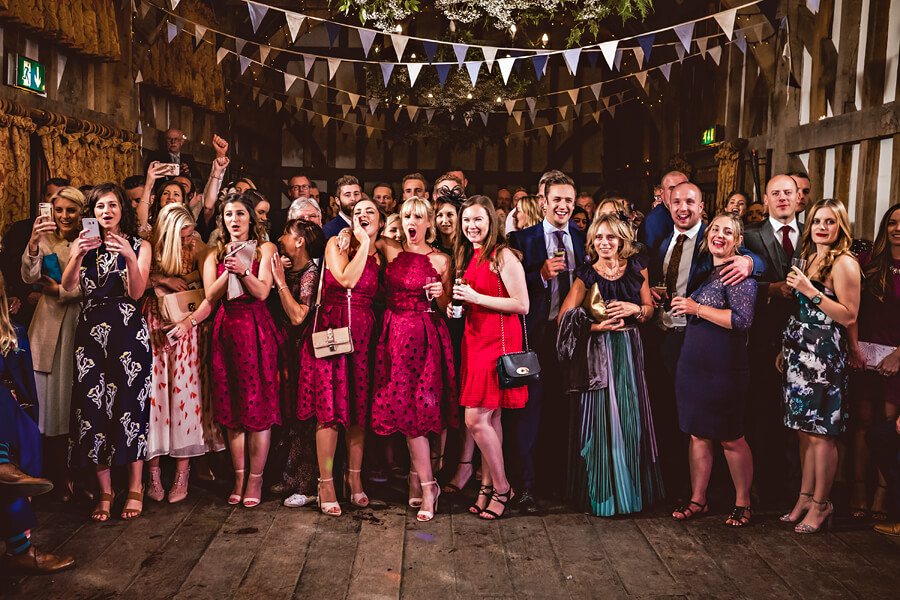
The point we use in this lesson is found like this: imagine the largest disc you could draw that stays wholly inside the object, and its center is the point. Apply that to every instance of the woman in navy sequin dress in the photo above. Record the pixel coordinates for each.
(713, 373)
(113, 360)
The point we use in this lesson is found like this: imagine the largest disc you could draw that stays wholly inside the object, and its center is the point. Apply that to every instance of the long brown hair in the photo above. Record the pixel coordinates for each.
(8, 339)
(493, 243)
(257, 230)
(879, 266)
(841, 245)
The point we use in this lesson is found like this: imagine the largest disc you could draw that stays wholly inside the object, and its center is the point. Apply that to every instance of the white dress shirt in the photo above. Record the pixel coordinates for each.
(667, 319)
(551, 242)
(794, 234)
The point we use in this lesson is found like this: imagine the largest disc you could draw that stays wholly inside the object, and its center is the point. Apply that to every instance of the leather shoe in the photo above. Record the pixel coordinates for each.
(527, 503)
(16, 484)
(888, 528)
(35, 561)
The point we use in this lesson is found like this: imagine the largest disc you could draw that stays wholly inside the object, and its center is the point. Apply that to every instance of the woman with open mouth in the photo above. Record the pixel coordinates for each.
(335, 389)
(415, 382)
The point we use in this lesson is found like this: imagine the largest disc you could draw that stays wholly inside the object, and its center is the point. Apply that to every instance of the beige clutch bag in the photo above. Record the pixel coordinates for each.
(595, 305)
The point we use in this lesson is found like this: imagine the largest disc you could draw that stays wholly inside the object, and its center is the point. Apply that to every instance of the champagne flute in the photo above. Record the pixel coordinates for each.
(428, 296)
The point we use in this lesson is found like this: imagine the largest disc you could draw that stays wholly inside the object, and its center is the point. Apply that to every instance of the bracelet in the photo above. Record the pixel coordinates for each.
(284, 287)
(216, 178)
(193, 321)
(698, 311)
(641, 314)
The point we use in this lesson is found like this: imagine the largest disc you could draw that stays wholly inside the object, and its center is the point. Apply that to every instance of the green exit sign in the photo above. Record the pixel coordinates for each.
(30, 75)
(713, 135)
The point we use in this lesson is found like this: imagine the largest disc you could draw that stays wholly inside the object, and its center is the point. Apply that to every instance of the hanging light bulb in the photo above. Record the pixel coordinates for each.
(499, 100)
(430, 95)
(544, 39)
(512, 29)
(399, 28)
(469, 95)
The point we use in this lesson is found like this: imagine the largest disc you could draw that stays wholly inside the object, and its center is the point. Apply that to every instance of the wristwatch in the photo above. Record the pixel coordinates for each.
(816, 299)
(244, 274)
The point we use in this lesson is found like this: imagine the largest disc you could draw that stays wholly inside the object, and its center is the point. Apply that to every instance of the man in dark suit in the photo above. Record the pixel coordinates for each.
(172, 154)
(777, 241)
(550, 252)
(676, 260)
(348, 194)
(658, 223)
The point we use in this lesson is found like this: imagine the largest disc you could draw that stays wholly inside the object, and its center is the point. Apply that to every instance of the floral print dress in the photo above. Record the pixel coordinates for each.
(815, 369)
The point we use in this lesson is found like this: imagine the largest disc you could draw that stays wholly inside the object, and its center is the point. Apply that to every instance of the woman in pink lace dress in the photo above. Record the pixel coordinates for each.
(335, 390)
(244, 345)
(415, 382)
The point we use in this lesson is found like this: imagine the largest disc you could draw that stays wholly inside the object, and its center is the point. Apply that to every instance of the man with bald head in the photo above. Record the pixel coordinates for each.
(659, 222)
(777, 241)
(173, 140)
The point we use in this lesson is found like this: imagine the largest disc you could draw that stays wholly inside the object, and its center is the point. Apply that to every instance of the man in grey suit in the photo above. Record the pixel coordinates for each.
(777, 241)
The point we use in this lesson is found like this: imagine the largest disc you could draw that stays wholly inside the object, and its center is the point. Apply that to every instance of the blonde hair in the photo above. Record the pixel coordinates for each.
(531, 206)
(620, 228)
(172, 219)
(73, 195)
(390, 219)
(8, 338)
(737, 226)
(841, 245)
(421, 208)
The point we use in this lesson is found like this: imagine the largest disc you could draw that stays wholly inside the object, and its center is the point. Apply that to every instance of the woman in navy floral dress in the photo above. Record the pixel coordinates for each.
(814, 357)
(113, 361)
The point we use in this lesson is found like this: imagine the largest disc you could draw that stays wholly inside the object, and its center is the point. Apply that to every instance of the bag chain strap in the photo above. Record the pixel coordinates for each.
(319, 298)
(502, 330)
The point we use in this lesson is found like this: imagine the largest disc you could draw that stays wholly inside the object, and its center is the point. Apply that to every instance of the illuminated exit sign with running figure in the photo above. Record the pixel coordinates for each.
(30, 76)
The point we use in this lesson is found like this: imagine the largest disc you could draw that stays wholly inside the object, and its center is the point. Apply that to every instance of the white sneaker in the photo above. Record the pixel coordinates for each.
(298, 500)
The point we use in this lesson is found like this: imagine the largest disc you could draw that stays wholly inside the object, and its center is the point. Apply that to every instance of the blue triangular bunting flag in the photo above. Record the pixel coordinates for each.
(473, 67)
(333, 31)
(386, 69)
(646, 44)
(442, 71)
(540, 64)
(430, 49)
(460, 51)
(366, 36)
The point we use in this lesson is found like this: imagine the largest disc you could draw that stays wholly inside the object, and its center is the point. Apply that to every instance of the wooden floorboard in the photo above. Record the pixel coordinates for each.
(203, 548)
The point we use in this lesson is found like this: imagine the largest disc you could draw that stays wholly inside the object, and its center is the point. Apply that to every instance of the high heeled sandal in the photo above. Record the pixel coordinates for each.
(427, 515)
(414, 501)
(806, 528)
(485, 491)
(687, 511)
(234, 499)
(359, 499)
(155, 490)
(133, 513)
(436, 468)
(103, 515)
(332, 509)
(452, 488)
(740, 517)
(860, 512)
(179, 489)
(251, 502)
(786, 518)
(502, 499)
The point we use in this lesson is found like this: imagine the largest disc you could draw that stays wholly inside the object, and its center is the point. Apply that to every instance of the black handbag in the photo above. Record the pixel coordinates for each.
(516, 368)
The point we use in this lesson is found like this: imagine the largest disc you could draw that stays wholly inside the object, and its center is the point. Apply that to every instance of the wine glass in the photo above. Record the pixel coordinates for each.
(800, 263)
(428, 282)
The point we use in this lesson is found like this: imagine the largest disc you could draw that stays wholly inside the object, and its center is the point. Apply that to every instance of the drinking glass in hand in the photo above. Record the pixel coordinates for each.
(428, 296)
(458, 304)
(800, 263)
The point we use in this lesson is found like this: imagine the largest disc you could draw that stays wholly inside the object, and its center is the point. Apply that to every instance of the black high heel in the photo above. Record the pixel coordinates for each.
(503, 499)
(486, 491)
(451, 488)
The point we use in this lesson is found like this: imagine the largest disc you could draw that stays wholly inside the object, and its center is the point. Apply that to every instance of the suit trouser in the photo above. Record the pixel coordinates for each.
(884, 444)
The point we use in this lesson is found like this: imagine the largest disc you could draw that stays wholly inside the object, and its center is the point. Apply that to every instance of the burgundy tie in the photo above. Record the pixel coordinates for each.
(786, 241)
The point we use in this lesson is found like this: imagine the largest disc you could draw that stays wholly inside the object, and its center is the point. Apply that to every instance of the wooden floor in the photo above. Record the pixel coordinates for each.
(202, 548)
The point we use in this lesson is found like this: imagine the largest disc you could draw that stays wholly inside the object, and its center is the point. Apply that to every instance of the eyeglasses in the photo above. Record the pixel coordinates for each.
(299, 187)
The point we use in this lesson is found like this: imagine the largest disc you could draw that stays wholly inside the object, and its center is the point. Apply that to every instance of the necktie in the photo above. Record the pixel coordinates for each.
(786, 241)
(561, 246)
(563, 282)
(674, 263)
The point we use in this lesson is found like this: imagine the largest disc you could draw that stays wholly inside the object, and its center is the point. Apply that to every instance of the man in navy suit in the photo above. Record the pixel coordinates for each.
(658, 223)
(676, 260)
(550, 252)
(348, 193)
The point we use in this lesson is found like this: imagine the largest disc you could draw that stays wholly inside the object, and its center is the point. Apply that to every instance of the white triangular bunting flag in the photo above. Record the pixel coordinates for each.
(609, 51)
(572, 57)
(510, 104)
(468, 119)
(473, 67)
(257, 12)
(641, 77)
(506, 65)
(294, 21)
(366, 36)
(171, 32)
(140, 130)
(60, 67)
(333, 64)
(716, 53)
(573, 94)
(138, 79)
(289, 81)
(354, 98)
(685, 33)
(563, 110)
(239, 45)
(666, 70)
(399, 43)
(373, 104)
(679, 50)
(490, 53)
(386, 70)
(726, 21)
(174, 3)
(411, 111)
(638, 56)
(517, 115)
(199, 32)
(413, 69)
(596, 90)
(460, 51)
(264, 53)
(701, 44)
(532, 114)
(345, 108)
(245, 62)
(220, 54)
(313, 86)
(484, 118)
(308, 62)
(429, 114)
(530, 102)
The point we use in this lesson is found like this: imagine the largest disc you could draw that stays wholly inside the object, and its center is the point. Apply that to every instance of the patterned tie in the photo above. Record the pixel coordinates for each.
(563, 281)
(561, 246)
(674, 263)
(786, 241)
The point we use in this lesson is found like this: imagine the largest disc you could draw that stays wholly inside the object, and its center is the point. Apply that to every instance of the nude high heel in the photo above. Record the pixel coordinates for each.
(427, 515)
(332, 509)
(361, 499)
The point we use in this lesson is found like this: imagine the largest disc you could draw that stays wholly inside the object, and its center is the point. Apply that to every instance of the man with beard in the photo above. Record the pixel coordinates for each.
(348, 194)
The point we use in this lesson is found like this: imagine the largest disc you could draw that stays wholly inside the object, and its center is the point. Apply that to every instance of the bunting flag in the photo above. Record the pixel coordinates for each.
(540, 64)
(333, 64)
(701, 44)
(563, 110)
(257, 12)
(369, 130)
(442, 71)
(386, 69)
(354, 99)
(685, 34)
(490, 53)
(61, 67)
(679, 50)
(638, 55)
(596, 116)
(484, 118)
(373, 104)
(646, 44)
(726, 21)
(345, 108)
(411, 111)
(399, 43)
(530, 102)
(596, 90)
(549, 129)
(571, 57)
(289, 81)
(460, 51)
(278, 105)
(245, 62)
(619, 54)
(138, 78)
(430, 50)
(294, 21)
(609, 51)
(325, 119)
(666, 70)
(413, 69)
(171, 32)
(174, 3)
(641, 76)
(199, 32)
(505, 65)
(308, 62)
(592, 58)
(510, 104)
(429, 114)
(740, 41)
(573, 94)
(333, 29)
(239, 45)
(220, 54)
(366, 37)
(517, 115)
(612, 111)
(264, 53)
(577, 110)
(473, 67)
(313, 86)
(716, 53)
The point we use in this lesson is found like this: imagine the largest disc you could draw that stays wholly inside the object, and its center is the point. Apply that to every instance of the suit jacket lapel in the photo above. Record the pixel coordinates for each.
(774, 248)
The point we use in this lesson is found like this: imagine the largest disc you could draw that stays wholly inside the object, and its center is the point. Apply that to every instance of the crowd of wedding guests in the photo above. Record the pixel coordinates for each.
(156, 319)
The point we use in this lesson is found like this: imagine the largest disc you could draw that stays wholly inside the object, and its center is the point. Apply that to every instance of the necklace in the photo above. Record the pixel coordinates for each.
(895, 270)
(608, 273)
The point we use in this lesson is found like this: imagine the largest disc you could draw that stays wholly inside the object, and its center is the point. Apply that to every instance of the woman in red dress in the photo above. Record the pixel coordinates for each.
(494, 293)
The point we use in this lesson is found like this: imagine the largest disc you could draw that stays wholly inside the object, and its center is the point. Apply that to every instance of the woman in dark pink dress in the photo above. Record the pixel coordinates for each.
(415, 388)
(335, 390)
(244, 345)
